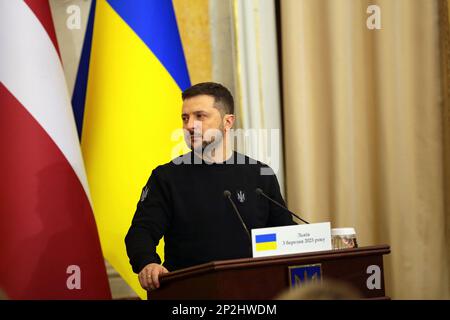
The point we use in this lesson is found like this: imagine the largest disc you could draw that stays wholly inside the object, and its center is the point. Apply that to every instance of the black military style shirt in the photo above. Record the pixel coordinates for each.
(184, 201)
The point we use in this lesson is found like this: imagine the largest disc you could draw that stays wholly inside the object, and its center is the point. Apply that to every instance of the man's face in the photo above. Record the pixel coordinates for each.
(200, 118)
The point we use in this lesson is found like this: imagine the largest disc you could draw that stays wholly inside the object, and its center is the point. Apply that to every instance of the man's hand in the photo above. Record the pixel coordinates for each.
(149, 276)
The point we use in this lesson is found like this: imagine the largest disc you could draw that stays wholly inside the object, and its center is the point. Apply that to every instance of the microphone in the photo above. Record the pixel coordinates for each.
(261, 193)
(227, 194)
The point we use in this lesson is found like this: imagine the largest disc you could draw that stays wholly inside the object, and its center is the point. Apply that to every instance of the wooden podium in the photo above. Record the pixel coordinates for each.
(265, 278)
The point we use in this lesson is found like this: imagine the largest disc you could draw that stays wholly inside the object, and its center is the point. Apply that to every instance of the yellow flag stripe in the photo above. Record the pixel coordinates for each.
(132, 107)
(266, 246)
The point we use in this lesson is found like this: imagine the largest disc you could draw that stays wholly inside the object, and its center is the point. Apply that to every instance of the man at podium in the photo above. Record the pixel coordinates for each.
(204, 202)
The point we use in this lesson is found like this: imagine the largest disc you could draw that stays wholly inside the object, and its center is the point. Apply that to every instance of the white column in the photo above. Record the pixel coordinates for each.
(257, 78)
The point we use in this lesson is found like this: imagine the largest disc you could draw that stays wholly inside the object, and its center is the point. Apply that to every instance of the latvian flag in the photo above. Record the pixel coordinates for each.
(49, 246)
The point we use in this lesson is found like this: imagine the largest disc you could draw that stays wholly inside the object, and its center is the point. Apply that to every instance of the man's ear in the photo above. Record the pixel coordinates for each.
(228, 121)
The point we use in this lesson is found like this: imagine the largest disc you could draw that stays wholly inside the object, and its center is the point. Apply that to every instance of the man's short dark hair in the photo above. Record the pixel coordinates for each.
(222, 96)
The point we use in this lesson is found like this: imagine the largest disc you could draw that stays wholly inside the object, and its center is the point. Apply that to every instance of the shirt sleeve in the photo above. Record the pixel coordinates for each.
(149, 223)
(277, 215)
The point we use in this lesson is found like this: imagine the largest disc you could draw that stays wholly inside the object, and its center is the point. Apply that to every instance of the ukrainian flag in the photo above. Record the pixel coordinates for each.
(266, 242)
(133, 103)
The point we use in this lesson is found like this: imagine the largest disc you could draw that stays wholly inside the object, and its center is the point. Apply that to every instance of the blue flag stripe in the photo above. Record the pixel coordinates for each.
(270, 237)
(155, 23)
(79, 91)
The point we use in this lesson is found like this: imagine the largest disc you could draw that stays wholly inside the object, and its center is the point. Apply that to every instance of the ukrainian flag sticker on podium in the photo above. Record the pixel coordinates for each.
(266, 242)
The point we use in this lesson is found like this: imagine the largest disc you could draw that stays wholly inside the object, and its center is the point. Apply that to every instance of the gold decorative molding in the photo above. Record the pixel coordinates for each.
(194, 27)
(444, 44)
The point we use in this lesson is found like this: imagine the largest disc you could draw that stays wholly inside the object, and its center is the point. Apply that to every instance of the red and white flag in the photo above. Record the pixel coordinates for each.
(49, 245)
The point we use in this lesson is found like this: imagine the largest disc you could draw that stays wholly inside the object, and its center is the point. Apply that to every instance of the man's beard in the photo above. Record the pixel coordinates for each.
(211, 144)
